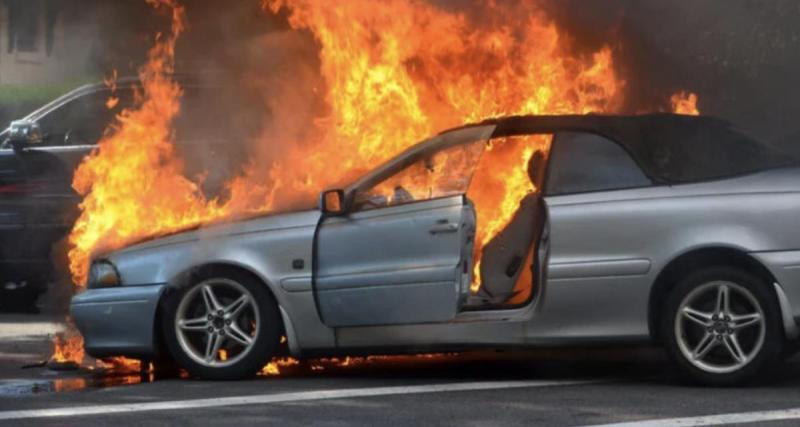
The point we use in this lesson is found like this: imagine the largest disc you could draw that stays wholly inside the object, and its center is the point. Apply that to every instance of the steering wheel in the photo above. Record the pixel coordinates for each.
(401, 195)
(373, 202)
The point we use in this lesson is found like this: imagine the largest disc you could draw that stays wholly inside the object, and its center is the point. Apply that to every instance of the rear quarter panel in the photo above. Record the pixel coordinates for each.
(607, 248)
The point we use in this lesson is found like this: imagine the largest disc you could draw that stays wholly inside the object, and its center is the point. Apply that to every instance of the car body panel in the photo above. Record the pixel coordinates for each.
(655, 225)
(617, 268)
(265, 246)
(785, 266)
(407, 260)
(602, 254)
(118, 318)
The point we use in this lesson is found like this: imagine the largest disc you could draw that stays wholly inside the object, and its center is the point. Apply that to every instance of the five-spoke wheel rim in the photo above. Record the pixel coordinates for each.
(720, 327)
(217, 322)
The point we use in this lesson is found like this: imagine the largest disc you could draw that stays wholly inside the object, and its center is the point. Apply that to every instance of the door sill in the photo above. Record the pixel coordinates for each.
(491, 307)
(506, 310)
(496, 312)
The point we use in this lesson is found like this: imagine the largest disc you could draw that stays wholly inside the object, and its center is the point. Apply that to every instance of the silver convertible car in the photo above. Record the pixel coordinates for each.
(660, 228)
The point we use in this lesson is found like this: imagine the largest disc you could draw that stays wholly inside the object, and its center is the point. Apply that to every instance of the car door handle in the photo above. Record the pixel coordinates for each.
(443, 227)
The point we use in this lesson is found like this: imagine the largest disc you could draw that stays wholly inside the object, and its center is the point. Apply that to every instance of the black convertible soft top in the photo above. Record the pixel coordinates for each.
(670, 148)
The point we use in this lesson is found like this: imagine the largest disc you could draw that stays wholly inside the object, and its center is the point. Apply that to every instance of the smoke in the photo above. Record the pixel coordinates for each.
(252, 89)
(283, 69)
(740, 56)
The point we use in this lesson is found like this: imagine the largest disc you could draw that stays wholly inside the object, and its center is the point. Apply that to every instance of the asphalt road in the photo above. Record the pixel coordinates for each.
(553, 388)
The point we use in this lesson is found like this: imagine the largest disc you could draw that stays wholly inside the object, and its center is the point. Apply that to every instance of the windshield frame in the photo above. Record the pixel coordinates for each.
(417, 152)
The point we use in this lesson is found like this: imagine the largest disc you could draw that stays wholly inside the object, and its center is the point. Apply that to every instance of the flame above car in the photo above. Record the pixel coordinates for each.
(395, 72)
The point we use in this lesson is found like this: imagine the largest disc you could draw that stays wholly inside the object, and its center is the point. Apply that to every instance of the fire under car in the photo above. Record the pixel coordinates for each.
(675, 230)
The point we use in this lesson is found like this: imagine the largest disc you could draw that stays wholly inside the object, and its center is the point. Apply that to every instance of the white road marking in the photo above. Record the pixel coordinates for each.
(714, 420)
(300, 396)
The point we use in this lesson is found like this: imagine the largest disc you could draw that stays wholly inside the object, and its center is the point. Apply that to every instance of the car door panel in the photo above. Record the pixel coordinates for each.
(589, 268)
(597, 267)
(597, 281)
(422, 274)
(393, 265)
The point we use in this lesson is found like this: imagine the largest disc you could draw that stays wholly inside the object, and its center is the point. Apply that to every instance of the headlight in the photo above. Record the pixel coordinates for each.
(103, 274)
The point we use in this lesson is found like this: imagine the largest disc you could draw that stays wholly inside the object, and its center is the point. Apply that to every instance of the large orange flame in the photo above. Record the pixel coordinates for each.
(395, 72)
(684, 103)
(67, 347)
(133, 183)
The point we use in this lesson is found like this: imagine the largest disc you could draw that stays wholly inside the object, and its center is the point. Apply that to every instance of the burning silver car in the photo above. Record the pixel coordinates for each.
(673, 229)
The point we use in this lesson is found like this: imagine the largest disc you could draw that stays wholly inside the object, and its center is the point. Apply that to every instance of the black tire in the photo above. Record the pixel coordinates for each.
(773, 337)
(790, 348)
(266, 340)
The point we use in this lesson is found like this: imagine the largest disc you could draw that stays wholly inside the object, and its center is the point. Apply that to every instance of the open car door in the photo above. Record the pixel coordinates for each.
(402, 251)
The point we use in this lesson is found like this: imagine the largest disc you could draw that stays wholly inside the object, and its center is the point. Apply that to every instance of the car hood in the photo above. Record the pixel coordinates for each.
(262, 223)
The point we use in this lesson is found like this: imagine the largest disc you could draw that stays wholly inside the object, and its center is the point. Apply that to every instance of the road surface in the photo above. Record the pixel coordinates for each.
(549, 387)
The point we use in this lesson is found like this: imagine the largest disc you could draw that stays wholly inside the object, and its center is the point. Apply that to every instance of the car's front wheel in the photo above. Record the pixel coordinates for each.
(221, 326)
(722, 326)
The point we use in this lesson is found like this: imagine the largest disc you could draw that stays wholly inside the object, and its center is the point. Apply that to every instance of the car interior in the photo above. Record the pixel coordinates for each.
(511, 262)
(507, 263)
(503, 247)
(507, 266)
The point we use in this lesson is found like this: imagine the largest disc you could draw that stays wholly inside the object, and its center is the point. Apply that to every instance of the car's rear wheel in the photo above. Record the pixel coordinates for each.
(722, 326)
(222, 326)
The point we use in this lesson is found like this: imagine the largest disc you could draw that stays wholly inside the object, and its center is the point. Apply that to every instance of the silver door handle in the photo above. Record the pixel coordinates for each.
(443, 228)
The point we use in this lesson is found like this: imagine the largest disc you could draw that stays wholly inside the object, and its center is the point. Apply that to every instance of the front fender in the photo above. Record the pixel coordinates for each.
(270, 254)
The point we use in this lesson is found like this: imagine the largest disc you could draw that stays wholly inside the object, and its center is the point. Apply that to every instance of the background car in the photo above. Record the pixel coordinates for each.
(37, 203)
(656, 228)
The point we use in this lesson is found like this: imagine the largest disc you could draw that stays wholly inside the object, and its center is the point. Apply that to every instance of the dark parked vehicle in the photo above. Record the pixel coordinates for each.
(40, 152)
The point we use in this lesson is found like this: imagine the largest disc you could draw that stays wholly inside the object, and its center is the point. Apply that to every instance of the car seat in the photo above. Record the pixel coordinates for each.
(503, 257)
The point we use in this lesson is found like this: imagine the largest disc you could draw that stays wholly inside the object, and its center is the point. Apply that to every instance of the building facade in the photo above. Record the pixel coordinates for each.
(43, 42)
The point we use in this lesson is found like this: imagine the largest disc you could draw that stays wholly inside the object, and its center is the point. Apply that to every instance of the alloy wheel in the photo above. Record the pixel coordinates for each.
(217, 322)
(720, 327)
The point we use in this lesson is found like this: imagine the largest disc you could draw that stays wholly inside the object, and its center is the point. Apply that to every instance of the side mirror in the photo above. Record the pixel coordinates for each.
(331, 202)
(23, 134)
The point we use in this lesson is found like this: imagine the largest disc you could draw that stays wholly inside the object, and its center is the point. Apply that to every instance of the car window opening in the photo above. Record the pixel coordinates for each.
(440, 174)
(507, 208)
(510, 218)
